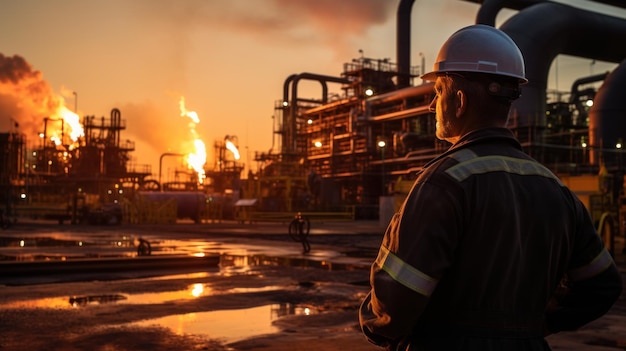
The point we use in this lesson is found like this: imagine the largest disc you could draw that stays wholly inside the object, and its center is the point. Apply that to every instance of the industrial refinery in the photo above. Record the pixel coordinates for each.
(351, 155)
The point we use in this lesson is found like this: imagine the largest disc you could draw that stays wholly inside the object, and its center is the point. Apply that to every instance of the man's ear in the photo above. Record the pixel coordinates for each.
(461, 103)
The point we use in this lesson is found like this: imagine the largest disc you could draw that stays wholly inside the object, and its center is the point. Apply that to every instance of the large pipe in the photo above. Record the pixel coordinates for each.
(607, 119)
(403, 42)
(574, 92)
(514, 4)
(116, 123)
(489, 9)
(289, 143)
(547, 29)
(161, 164)
(616, 3)
(287, 84)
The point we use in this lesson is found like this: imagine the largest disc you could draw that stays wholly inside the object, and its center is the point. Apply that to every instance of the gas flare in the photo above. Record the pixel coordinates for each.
(232, 148)
(28, 98)
(196, 159)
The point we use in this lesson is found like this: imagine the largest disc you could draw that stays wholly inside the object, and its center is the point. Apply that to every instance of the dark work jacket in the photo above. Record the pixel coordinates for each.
(474, 257)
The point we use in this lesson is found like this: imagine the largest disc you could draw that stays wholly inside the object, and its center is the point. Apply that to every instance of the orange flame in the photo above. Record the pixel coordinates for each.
(197, 159)
(232, 148)
(70, 119)
(35, 99)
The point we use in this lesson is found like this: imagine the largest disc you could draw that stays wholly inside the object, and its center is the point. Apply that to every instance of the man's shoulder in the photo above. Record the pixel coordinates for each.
(439, 166)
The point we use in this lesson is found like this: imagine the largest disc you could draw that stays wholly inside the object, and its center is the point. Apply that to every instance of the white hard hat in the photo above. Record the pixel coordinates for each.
(480, 49)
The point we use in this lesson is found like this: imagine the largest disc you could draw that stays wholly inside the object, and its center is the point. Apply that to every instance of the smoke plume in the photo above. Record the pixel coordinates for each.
(25, 97)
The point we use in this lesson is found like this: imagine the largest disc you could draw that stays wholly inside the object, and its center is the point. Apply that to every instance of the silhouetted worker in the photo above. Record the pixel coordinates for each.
(486, 236)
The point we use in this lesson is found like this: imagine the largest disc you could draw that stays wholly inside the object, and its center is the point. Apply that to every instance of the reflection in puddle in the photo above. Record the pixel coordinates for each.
(230, 325)
(95, 299)
(193, 291)
(63, 246)
(243, 263)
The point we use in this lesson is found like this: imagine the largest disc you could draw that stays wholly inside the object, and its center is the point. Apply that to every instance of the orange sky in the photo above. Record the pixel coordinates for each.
(228, 58)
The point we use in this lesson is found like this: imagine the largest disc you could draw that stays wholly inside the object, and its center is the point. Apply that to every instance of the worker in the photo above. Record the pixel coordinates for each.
(487, 236)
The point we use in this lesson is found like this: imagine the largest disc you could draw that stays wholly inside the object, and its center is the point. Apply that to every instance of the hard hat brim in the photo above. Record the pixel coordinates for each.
(432, 76)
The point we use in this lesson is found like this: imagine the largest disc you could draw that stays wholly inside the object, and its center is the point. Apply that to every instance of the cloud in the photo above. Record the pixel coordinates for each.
(301, 23)
(351, 17)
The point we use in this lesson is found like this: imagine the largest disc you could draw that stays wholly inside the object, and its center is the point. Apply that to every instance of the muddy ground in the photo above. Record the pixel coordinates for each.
(293, 302)
(108, 325)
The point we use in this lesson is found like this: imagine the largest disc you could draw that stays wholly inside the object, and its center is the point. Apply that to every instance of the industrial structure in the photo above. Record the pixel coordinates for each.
(344, 155)
(355, 149)
(62, 179)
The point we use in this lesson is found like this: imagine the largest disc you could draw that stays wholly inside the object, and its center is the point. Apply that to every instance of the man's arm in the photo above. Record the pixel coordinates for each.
(586, 301)
(594, 280)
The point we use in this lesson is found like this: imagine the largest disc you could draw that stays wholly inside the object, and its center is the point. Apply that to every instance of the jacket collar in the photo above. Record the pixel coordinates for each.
(479, 136)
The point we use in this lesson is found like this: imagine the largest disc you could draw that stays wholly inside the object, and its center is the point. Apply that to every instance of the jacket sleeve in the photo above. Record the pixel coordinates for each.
(586, 301)
(417, 247)
(594, 282)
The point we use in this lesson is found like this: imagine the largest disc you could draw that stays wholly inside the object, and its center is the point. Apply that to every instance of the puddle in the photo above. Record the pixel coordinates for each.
(227, 264)
(65, 240)
(242, 262)
(226, 325)
(193, 291)
(237, 257)
(61, 247)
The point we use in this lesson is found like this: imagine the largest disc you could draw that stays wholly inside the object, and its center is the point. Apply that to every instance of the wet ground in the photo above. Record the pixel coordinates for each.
(214, 286)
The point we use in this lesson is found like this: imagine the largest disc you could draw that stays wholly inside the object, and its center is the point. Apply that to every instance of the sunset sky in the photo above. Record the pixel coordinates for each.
(228, 58)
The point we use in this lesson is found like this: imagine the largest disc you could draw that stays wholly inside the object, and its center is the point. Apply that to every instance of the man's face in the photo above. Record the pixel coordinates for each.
(444, 105)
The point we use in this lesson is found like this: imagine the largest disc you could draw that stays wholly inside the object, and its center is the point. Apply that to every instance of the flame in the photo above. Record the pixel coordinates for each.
(197, 159)
(71, 121)
(232, 148)
(35, 99)
(71, 118)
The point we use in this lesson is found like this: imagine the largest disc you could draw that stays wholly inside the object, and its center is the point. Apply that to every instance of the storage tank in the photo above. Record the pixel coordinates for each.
(189, 204)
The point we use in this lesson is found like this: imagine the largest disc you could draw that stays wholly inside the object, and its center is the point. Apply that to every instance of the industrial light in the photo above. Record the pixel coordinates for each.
(309, 121)
(381, 144)
(198, 289)
(369, 91)
(618, 145)
(317, 143)
(589, 103)
(285, 103)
